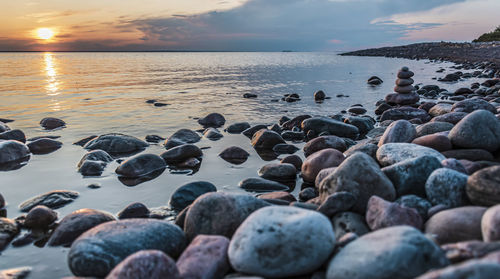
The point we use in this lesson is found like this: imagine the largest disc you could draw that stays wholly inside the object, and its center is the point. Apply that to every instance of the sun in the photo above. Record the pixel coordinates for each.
(45, 33)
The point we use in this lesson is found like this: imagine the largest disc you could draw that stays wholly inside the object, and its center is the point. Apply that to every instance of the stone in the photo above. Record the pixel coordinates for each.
(214, 120)
(349, 222)
(386, 253)
(308, 194)
(490, 224)
(76, 223)
(398, 131)
(4, 127)
(212, 134)
(13, 135)
(273, 241)
(483, 186)
(435, 141)
(53, 199)
(420, 204)
(134, 210)
(363, 123)
(140, 165)
(91, 168)
(12, 151)
(409, 176)
(461, 251)
(40, 217)
(278, 172)
(337, 202)
(356, 110)
(234, 155)
(369, 149)
(322, 159)
(15, 273)
(266, 139)
(283, 148)
(469, 154)
(204, 214)
(293, 136)
(294, 160)
(106, 245)
(440, 109)
(480, 129)
(295, 122)
(145, 264)
(205, 257)
(451, 117)
(403, 99)
(252, 130)
(8, 227)
(181, 137)
(322, 174)
(456, 224)
(381, 108)
(95, 155)
(261, 185)
(404, 81)
(154, 138)
(237, 128)
(84, 141)
(319, 95)
(432, 128)
(324, 142)
(470, 105)
(50, 123)
(406, 113)
(382, 214)
(333, 127)
(360, 175)
(392, 153)
(279, 195)
(469, 269)
(446, 186)
(181, 153)
(454, 164)
(405, 74)
(44, 146)
(116, 144)
(2, 201)
(189, 192)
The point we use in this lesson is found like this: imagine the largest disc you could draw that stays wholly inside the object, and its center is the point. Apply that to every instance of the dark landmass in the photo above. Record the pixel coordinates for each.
(493, 36)
(471, 55)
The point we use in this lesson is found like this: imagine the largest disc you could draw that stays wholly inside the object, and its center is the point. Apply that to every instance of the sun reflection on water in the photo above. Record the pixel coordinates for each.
(52, 86)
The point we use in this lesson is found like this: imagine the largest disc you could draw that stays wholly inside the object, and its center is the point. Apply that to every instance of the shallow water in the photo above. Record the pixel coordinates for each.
(98, 93)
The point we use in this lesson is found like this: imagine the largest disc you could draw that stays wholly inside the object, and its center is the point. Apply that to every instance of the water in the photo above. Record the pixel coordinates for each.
(97, 93)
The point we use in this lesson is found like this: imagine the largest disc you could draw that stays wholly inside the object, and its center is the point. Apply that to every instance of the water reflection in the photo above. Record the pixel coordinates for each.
(52, 86)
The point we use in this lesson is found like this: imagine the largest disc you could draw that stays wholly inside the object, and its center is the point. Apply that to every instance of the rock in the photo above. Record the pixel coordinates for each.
(349, 222)
(140, 165)
(454, 164)
(374, 80)
(212, 120)
(134, 210)
(9, 228)
(307, 194)
(13, 135)
(44, 146)
(432, 128)
(392, 153)
(106, 245)
(356, 110)
(181, 153)
(360, 175)
(490, 224)
(204, 214)
(249, 96)
(283, 148)
(96, 155)
(252, 130)
(15, 273)
(446, 186)
(91, 168)
(50, 123)
(53, 199)
(322, 174)
(145, 264)
(2, 201)
(273, 241)
(266, 139)
(84, 141)
(398, 131)
(461, 251)
(333, 127)
(409, 176)
(404, 81)
(12, 151)
(386, 253)
(293, 136)
(76, 223)
(278, 172)
(382, 214)
(261, 185)
(403, 99)
(294, 160)
(237, 128)
(363, 123)
(470, 105)
(212, 134)
(154, 138)
(469, 154)
(324, 142)
(420, 204)
(181, 137)
(406, 113)
(457, 224)
(451, 117)
(322, 159)
(319, 95)
(337, 202)
(205, 257)
(234, 155)
(469, 269)
(295, 122)
(40, 217)
(480, 129)
(435, 141)
(187, 193)
(369, 149)
(483, 187)
(4, 127)
(440, 109)
(280, 195)
(116, 144)
(405, 73)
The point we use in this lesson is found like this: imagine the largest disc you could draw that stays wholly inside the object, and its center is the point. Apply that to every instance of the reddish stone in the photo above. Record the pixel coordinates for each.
(146, 264)
(326, 158)
(435, 141)
(281, 195)
(382, 214)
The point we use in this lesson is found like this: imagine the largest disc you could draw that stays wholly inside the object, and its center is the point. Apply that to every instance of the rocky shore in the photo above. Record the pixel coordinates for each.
(470, 55)
(409, 191)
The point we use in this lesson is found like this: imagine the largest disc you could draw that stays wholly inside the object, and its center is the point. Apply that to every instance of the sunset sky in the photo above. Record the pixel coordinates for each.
(239, 25)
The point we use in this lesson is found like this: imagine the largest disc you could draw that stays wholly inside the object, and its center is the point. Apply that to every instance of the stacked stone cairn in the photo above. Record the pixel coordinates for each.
(405, 92)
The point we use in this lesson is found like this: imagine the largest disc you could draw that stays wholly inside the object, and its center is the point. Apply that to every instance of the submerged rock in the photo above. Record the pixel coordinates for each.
(187, 193)
(116, 144)
(333, 127)
(12, 151)
(278, 172)
(212, 120)
(40, 217)
(266, 139)
(261, 185)
(50, 123)
(238, 127)
(141, 165)
(13, 135)
(44, 146)
(234, 155)
(53, 199)
(181, 137)
(181, 153)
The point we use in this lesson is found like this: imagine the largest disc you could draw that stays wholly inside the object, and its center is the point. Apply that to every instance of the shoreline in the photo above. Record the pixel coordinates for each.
(469, 55)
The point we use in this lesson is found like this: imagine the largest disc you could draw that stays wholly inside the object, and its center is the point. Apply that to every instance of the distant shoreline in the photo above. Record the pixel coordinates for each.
(483, 55)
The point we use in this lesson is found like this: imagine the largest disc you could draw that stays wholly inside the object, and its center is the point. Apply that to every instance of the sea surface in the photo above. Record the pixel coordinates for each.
(98, 93)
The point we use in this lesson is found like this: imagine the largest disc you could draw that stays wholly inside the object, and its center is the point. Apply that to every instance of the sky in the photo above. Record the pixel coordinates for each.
(238, 25)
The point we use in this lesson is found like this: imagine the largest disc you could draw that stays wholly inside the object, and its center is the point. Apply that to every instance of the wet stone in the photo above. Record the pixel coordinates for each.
(53, 199)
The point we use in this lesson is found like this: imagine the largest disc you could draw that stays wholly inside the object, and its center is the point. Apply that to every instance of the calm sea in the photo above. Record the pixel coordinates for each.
(98, 93)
